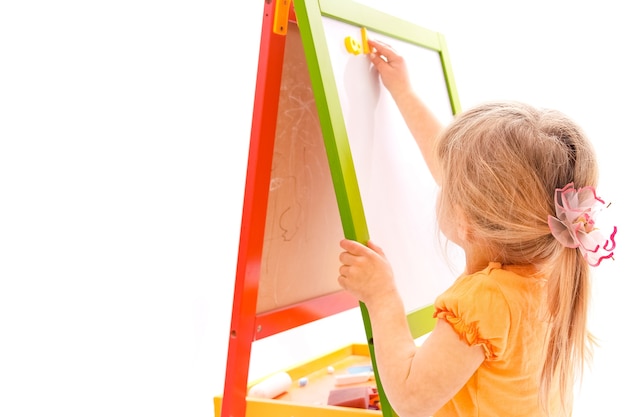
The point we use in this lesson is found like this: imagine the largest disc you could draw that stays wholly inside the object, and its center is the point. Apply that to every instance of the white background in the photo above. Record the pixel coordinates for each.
(124, 129)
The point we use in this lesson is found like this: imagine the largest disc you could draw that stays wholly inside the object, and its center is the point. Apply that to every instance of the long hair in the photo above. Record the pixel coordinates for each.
(501, 164)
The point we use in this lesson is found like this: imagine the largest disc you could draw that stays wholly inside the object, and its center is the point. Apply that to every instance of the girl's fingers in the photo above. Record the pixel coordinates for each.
(343, 270)
(346, 258)
(376, 60)
(375, 248)
(378, 44)
(383, 49)
(352, 246)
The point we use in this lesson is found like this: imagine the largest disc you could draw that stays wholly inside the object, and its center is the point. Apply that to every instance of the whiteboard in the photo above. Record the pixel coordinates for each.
(346, 164)
(397, 190)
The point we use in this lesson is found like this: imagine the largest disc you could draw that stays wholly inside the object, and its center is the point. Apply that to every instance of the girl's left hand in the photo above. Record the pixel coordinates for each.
(365, 272)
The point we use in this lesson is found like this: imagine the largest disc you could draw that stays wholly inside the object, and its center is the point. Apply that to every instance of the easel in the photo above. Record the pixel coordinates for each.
(247, 325)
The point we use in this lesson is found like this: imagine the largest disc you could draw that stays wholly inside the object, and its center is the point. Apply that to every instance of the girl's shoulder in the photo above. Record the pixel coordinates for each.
(499, 278)
(480, 306)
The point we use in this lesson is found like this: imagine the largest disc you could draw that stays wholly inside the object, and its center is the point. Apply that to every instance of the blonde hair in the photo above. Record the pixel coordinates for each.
(501, 164)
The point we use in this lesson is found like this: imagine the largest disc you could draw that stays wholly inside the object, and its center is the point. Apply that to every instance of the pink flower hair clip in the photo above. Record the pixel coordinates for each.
(575, 227)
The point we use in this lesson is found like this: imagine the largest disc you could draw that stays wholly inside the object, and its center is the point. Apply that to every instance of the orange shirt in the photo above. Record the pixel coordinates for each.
(498, 308)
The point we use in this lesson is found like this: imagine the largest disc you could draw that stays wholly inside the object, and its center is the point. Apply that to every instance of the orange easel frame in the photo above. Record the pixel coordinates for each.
(246, 325)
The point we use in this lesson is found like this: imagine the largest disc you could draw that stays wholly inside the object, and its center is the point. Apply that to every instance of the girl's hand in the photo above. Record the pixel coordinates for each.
(391, 67)
(365, 272)
(422, 123)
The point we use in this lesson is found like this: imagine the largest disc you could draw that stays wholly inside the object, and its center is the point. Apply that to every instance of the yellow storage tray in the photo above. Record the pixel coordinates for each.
(311, 399)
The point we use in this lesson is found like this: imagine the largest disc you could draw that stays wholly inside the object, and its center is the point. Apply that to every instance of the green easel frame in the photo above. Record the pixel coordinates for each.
(309, 14)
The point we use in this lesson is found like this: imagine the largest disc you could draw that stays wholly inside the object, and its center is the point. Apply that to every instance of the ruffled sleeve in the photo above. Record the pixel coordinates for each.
(478, 311)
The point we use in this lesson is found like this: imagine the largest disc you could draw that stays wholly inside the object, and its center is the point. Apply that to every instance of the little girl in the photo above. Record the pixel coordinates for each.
(517, 194)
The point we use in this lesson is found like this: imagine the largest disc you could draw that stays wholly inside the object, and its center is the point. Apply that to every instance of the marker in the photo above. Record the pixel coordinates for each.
(347, 379)
(271, 387)
(360, 369)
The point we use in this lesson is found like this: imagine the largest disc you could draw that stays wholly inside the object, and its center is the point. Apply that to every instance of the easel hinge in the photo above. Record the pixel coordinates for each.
(281, 16)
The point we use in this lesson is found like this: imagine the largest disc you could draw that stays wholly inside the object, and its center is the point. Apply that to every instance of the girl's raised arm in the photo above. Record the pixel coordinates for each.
(422, 123)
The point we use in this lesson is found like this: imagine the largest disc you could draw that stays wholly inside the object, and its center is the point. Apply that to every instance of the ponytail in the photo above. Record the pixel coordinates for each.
(569, 344)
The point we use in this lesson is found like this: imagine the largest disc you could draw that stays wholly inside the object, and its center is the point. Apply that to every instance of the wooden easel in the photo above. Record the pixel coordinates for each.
(247, 323)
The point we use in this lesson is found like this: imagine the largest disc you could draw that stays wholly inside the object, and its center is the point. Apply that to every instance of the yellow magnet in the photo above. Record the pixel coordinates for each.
(352, 45)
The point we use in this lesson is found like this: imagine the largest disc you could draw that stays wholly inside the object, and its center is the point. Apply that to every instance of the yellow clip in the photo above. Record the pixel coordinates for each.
(281, 16)
(366, 47)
